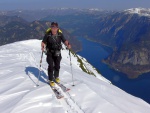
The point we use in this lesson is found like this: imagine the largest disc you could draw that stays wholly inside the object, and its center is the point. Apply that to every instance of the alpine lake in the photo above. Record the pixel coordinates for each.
(95, 52)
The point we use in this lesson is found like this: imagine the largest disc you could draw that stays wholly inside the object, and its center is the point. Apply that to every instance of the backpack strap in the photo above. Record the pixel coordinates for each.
(49, 34)
(49, 30)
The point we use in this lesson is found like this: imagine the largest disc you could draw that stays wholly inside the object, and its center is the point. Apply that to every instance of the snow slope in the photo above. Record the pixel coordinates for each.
(19, 63)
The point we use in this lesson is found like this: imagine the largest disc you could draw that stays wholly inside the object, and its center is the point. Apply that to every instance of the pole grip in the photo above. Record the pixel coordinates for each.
(41, 58)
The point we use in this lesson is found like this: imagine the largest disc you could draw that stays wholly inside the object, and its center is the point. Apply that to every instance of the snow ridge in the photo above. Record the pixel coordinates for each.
(19, 70)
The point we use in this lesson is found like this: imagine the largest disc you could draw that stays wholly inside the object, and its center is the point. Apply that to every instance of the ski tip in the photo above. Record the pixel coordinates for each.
(67, 90)
(60, 97)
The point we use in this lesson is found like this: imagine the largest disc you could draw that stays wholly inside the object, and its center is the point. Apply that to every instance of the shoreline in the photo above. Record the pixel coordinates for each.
(134, 76)
(103, 45)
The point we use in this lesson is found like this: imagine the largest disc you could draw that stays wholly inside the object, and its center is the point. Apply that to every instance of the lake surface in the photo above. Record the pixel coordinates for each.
(95, 53)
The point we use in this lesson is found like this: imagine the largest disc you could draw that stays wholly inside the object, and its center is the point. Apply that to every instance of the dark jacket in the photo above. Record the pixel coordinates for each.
(53, 42)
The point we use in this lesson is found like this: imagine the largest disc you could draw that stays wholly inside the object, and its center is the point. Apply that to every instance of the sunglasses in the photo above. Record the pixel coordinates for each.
(54, 27)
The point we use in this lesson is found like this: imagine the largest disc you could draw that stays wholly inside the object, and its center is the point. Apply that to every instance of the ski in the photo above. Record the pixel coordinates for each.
(57, 93)
(64, 88)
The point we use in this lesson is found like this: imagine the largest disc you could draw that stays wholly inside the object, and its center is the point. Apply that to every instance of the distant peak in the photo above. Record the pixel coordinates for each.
(94, 9)
(140, 11)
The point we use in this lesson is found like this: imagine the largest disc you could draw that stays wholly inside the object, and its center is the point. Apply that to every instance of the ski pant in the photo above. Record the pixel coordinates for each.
(53, 65)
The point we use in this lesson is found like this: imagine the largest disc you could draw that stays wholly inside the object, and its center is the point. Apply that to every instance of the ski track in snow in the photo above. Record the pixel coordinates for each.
(19, 63)
(69, 104)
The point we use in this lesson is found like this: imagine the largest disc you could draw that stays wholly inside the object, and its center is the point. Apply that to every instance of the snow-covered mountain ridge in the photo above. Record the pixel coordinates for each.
(139, 11)
(19, 63)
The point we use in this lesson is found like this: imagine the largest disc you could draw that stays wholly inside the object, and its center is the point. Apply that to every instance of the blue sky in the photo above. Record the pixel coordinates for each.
(101, 4)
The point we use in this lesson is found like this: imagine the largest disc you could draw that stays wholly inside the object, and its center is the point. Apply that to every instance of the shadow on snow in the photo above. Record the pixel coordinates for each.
(35, 71)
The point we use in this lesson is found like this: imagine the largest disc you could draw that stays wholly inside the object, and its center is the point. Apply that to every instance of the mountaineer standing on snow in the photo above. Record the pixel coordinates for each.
(52, 41)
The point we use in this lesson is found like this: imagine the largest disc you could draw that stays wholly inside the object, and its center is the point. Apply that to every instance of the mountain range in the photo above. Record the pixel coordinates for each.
(126, 32)
(14, 28)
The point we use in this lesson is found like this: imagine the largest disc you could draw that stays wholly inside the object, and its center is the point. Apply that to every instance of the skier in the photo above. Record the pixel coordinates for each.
(52, 41)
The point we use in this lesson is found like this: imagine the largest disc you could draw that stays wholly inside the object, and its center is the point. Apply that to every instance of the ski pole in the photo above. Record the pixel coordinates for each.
(71, 68)
(40, 69)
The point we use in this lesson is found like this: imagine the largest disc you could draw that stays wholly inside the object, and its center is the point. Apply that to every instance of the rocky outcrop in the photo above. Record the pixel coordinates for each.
(132, 62)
